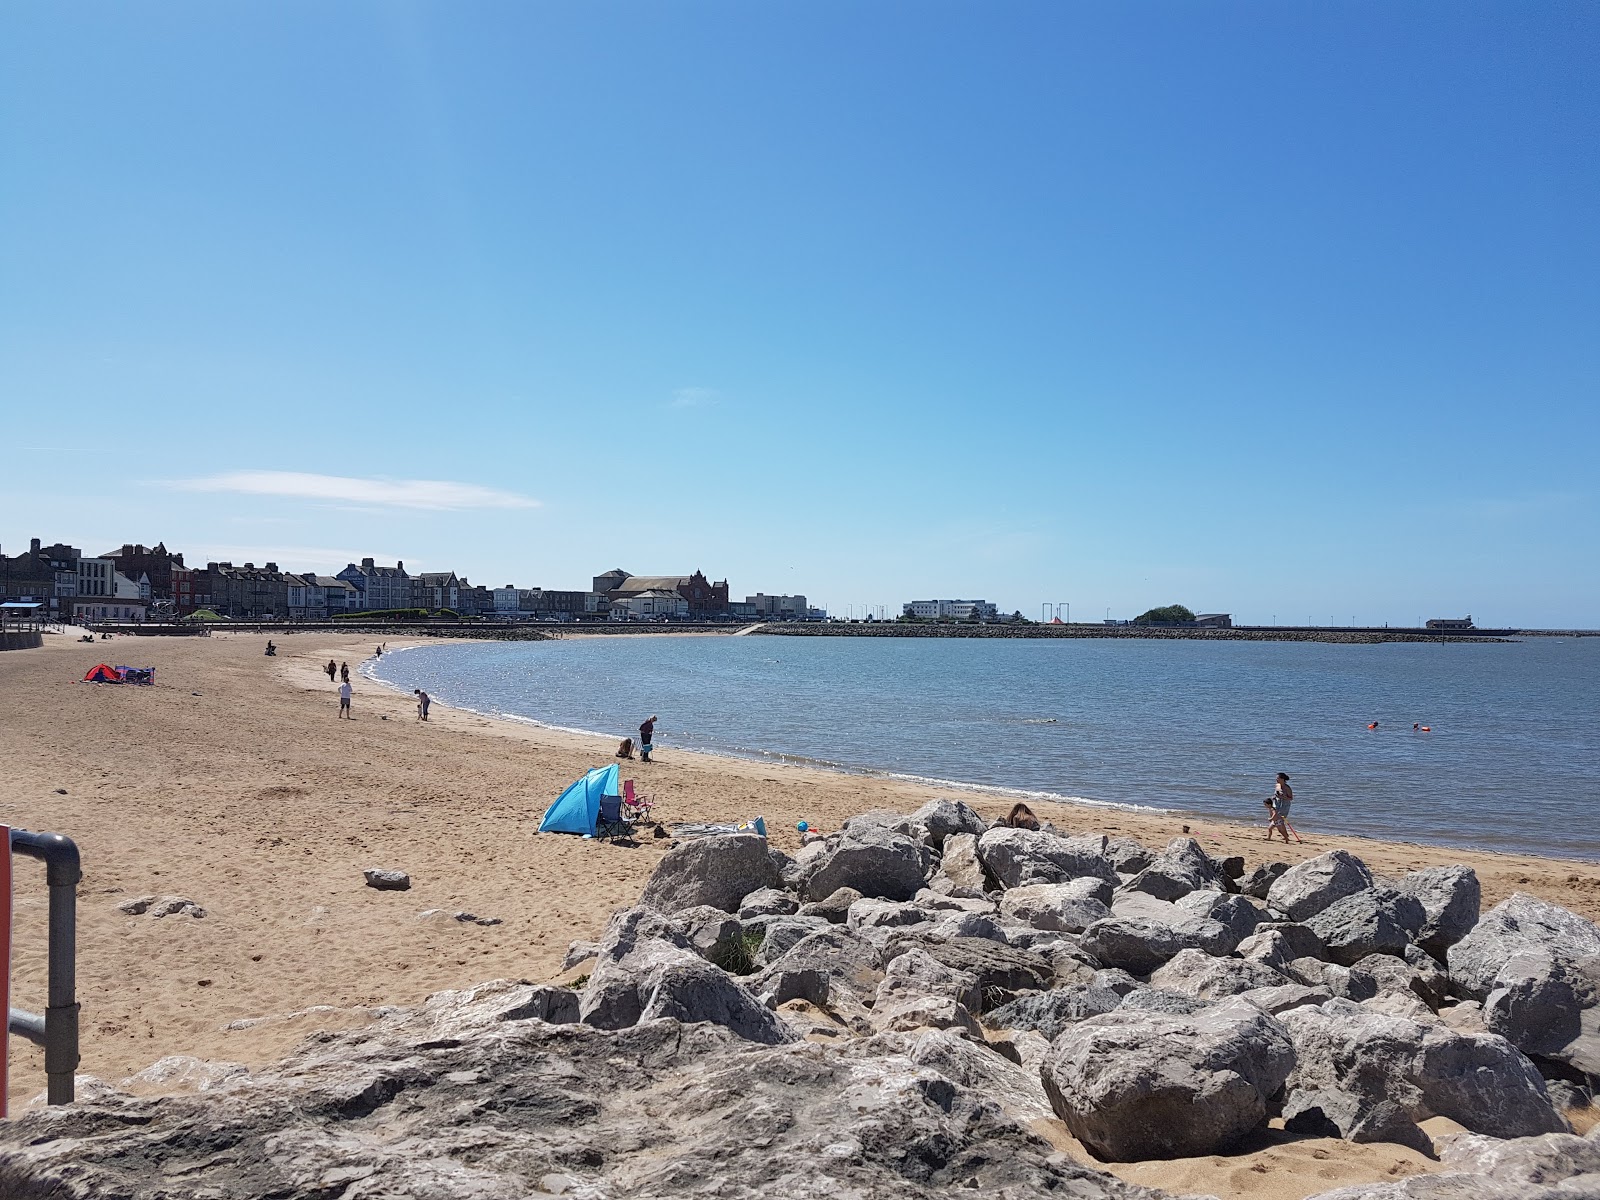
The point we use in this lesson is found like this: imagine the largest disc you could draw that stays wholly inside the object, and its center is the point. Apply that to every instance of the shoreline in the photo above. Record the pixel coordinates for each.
(233, 783)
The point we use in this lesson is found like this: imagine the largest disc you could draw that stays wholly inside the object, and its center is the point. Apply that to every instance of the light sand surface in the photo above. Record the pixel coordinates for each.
(232, 783)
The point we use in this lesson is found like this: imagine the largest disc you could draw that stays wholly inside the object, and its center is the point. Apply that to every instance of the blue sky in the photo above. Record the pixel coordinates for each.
(1283, 310)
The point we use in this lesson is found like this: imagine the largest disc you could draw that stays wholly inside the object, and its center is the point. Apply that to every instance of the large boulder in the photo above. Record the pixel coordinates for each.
(1375, 920)
(1067, 907)
(1240, 916)
(1050, 1012)
(1259, 880)
(1139, 945)
(767, 902)
(1309, 887)
(1019, 856)
(1181, 868)
(942, 818)
(719, 871)
(960, 870)
(1002, 971)
(850, 963)
(918, 991)
(1450, 899)
(1371, 1076)
(1196, 973)
(873, 860)
(659, 979)
(1515, 926)
(1548, 1006)
(1138, 1085)
(497, 1105)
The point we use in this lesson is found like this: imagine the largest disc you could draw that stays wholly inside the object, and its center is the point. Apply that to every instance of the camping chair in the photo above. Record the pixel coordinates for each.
(610, 824)
(634, 806)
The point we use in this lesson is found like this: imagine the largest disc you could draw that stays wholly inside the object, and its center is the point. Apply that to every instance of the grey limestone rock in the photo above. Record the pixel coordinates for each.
(874, 860)
(579, 952)
(1514, 926)
(1138, 1085)
(1159, 1000)
(1284, 996)
(493, 1106)
(942, 818)
(883, 914)
(1181, 868)
(1307, 888)
(1020, 856)
(1375, 920)
(1196, 973)
(658, 979)
(715, 871)
(920, 992)
(1068, 907)
(1548, 1006)
(1136, 945)
(386, 880)
(767, 902)
(1258, 881)
(1351, 1062)
(1128, 856)
(834, 907)
(1002, 971)
(1279, 945)
(1051, 1012)
(1240, 916)
(960, 870)
(1450, 898)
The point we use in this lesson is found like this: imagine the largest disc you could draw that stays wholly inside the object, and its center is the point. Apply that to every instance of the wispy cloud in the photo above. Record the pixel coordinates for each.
(437, 494)
(695, 397)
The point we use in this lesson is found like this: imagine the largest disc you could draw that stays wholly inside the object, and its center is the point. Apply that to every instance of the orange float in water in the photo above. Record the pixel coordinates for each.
(1374, 725)
(1427, 729)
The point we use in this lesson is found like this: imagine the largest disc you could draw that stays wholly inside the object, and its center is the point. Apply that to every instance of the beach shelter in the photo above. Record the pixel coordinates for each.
(101, 673)
(577, 808)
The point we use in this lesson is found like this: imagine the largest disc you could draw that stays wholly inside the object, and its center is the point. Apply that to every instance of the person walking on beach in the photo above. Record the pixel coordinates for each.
(646, 734)
(332, 669)
(345, 692)
(1278, 806)
(344, 672)
(423, 700)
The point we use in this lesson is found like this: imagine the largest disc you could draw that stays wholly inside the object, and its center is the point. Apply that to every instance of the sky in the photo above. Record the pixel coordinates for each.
(1282, 310)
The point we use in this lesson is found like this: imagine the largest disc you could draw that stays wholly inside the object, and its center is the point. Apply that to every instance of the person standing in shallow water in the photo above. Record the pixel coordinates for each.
(647, 732)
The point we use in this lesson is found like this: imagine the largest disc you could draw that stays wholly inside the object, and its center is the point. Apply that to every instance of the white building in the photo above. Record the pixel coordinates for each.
(958, 610)
(777, 607)
(121, 602)
(507, 599)
(656, 602)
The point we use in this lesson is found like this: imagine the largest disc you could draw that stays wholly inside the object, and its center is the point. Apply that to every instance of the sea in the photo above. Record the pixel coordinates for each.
(1509, 758)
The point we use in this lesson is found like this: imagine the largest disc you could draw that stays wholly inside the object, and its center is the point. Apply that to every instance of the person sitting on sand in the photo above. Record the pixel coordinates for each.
(1021, 817)
(626, 749)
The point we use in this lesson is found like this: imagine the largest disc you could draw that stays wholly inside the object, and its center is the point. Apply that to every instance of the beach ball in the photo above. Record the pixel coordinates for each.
(802, 826)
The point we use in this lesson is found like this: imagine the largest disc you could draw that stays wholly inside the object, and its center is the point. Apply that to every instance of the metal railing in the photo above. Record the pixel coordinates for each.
(57, 1029)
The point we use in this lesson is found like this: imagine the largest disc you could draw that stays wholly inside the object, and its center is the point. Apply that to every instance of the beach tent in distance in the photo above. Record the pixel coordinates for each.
(101, 673)
(578, 808)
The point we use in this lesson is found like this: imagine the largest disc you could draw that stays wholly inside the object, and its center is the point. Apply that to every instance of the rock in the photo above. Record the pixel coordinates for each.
(1001, 970)
(1306, 889)
(941, 818)
(1231, 867)
(658, 979)
(767, 902)
(834, 907)
(387, 881)
(883, 914)
(492, 1108)
(1117, 980)
(1450, 898)
(1140, 946)
(780, 984)
(873, 860)
(1050, 1012)
(1156, 1000)
(714, 871)
(1375, 920)
(1014, 1086)
(1140, 1085)
(714, 934)
(918, 992)
(1396, 975)
(1284, 996)
(1548, 1006)
(780, 934)
(1514, 926)
(968, 925)
(851, 965)
(788, 870)
(960, 869)
(1020, 856)
(1128, 856)
(1196, 973)
(1211, 936)
(1352, 1062)
(1346, 983)
(1178, 870)
(1278, 945)
(1466, 1017)
(1399, 1004)
(1258, 882)
(163, 906)
(1238, 914)
(180, 1073)
(1056, 906)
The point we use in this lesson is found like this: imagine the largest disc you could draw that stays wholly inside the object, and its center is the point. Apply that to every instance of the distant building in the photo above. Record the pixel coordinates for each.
(1451, 623)
(776, 608)
(703, 598)
(48, 574)
(651, 603)
(958, 610)
(248, 591)
(171, 582)
(436, 589)
(1214, 620)
(379, 587)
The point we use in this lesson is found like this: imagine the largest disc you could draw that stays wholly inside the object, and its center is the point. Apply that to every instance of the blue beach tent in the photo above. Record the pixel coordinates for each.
(578, 808)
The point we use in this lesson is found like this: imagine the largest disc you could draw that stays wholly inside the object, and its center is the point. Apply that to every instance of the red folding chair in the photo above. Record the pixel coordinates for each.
(636, 807)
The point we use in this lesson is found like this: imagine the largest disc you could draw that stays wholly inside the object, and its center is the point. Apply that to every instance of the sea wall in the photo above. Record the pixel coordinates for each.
(22, 640)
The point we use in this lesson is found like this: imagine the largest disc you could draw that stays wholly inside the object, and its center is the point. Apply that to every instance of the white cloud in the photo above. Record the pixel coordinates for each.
(695, 397)
(378, 493)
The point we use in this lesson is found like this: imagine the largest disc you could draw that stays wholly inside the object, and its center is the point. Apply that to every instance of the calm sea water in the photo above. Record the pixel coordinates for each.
(1513, 761)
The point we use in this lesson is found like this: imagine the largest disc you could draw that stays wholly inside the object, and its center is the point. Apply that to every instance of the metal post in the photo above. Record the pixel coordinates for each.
(58, 1030)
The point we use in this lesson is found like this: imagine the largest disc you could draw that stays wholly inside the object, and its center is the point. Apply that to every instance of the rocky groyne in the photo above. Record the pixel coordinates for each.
(1353, 637)
(894, 1012)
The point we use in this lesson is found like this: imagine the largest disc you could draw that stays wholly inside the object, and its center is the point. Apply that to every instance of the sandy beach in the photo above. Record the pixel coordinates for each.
(233, 784)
